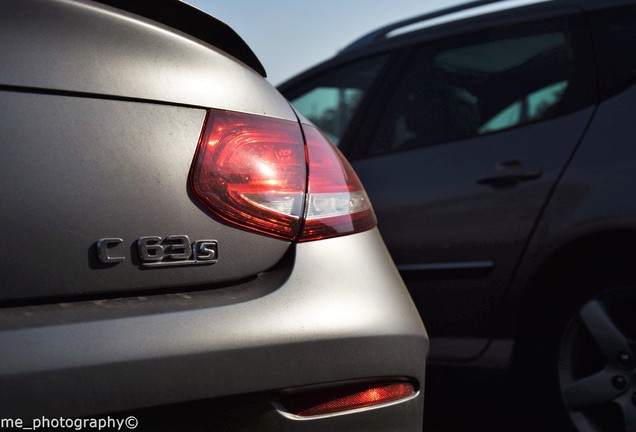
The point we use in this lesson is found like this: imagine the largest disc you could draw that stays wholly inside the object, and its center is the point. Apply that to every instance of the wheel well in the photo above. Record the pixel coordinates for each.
(576, 270)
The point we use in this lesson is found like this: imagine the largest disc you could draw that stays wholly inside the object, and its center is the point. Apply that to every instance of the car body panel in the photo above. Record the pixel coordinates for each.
(181, 16)
(105, 356)
(74, 179)
(85, 47)
(590, 198)
(457, 241)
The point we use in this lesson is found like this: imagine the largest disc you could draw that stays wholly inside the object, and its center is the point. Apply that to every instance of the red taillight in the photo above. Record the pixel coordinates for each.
(257, 173)
(251, 170)
(347, 399)
(336, 203)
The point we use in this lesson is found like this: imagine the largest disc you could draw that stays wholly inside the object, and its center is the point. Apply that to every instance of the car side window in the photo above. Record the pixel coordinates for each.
(480, 83)
(331, 99)
(614, 32)
(531, 107)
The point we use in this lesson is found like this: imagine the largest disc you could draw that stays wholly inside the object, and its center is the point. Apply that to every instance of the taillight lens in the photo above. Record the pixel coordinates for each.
(256, 172)
(336, 201)
(251, 170)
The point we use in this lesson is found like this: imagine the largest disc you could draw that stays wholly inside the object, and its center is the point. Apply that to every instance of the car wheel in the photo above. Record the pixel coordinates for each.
(577, 366)
(597, 363)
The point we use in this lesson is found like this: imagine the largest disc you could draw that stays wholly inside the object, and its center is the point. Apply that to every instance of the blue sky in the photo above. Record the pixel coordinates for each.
(289, 36)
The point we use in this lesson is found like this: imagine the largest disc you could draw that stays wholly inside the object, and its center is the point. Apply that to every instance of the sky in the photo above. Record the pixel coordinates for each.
(290, 36)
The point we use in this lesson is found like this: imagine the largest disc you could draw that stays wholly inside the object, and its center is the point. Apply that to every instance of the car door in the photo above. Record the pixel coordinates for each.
(462, 158)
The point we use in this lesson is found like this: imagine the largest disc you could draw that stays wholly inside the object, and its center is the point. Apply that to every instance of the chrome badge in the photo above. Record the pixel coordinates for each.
(154, 251)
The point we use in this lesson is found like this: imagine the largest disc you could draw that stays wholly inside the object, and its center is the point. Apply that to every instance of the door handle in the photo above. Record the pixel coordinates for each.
(510, 174)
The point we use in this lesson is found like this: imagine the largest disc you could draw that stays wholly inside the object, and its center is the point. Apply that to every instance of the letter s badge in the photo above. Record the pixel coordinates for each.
(206, 250)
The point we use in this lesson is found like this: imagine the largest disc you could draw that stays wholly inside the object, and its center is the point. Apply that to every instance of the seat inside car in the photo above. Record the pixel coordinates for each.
(436, 113)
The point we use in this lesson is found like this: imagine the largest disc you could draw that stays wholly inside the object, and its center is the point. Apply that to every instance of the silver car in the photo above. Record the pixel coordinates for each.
(180, 249)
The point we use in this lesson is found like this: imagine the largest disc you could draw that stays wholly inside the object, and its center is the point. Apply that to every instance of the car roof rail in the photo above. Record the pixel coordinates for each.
(381, 33)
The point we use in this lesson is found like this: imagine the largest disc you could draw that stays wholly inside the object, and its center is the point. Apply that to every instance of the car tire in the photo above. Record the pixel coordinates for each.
(576, 365)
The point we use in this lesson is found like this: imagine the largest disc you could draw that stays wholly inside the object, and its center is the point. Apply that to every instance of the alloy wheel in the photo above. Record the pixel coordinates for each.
(597, 364)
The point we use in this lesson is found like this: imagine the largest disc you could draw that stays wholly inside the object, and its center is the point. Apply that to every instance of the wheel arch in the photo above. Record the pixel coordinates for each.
(577, 268)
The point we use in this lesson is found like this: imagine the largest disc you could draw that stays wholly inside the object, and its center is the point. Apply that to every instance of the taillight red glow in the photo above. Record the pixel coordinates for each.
(332, 401)
(251, 170)
(337, 203)
(261, 174)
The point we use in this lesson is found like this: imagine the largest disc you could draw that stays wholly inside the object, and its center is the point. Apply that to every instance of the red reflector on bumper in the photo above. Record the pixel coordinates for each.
(346, 399)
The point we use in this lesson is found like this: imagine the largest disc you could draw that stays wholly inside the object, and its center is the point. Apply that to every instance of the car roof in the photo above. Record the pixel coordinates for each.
(447, 21)
(454, 13)
(397, 34)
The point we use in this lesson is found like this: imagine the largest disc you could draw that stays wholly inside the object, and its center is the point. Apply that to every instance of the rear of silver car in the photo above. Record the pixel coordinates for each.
(148, 273)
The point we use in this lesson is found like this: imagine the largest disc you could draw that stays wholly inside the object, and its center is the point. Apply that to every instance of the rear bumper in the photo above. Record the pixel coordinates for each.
(335, 310)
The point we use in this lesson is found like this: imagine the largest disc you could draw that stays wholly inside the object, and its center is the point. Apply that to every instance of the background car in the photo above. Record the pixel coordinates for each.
(496, 141)
(179, 250)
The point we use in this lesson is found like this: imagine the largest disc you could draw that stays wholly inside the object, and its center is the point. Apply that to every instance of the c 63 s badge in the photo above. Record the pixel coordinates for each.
(154, 251)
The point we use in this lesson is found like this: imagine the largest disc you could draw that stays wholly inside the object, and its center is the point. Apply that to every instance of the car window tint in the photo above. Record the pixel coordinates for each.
(531, 107)
(615, 38)
(480, 83)
(330, 100)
